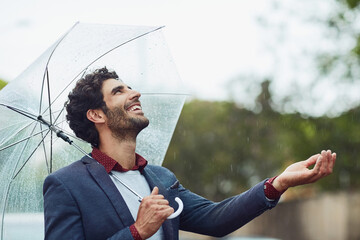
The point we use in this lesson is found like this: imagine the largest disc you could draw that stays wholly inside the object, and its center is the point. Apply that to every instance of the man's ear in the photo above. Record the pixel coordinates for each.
(96, 115)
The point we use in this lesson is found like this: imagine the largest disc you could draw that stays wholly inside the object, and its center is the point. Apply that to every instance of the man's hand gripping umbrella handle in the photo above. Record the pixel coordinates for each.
(177, 199)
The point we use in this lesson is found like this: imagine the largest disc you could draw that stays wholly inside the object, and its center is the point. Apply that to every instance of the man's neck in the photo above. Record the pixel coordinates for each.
(121, 151)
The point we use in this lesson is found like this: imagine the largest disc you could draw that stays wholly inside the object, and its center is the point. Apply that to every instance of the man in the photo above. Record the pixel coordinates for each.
(85, 201)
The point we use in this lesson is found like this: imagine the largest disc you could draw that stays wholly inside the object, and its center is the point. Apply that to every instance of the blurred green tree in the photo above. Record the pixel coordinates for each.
(343, 29)
(2, 83)
(219, 149)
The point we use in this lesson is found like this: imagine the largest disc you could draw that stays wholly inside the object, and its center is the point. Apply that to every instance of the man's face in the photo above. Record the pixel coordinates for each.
(124, 115)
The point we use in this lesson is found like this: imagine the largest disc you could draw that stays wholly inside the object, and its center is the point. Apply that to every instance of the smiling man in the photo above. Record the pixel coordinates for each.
(125, 118)
(89, 200)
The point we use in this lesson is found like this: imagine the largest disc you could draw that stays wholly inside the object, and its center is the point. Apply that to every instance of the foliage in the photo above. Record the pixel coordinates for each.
(343, 29)
(2, 84)
(219, 149)
(316, 49)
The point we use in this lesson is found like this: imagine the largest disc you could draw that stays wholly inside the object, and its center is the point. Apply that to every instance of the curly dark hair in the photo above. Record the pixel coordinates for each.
(87, 95)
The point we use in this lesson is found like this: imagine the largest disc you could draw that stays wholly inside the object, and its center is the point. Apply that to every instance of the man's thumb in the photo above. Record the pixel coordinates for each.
(155, 191)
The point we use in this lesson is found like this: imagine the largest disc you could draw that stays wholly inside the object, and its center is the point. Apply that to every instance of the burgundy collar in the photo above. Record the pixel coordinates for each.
(110, 164)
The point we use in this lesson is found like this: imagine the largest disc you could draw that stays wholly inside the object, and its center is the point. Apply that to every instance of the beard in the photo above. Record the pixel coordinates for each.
(124, 126)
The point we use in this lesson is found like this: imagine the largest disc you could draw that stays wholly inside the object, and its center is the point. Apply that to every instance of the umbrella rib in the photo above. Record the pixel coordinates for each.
(17, 123)
(29, 115)
(51, 133)
(33, 135)
(51, 152)
(73, 136)
(32, 153)
(22, 112)
(58, 116)
(8, 187)
(47, 63)
(48, 168)
(52, 112)
(19, 130)
(49, 164)
(83, 71)
(46, 74)
(130, 40)
(67, 133)
(5, 200)
(49, 98)
(58, 123)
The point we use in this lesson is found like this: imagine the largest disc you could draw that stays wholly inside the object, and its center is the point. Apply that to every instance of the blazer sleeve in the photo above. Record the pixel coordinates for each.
(219, 219)
(63, 216)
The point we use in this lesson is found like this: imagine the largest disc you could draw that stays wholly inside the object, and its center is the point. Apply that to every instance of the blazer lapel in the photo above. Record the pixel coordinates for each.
(154, 181)
(104, 181)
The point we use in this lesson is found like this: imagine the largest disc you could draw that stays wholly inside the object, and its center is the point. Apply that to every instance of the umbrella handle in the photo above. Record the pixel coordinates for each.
(181, 207)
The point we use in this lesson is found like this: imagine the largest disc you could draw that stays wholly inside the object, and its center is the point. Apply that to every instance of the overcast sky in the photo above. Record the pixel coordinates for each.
(212, 41)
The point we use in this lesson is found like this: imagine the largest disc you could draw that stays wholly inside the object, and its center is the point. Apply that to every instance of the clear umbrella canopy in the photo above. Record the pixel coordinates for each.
(29, 151)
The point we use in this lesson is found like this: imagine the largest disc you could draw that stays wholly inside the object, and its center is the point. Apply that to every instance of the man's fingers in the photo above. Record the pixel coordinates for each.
(318, 164)
(331, 157)
(314, 174)
(324, 170)
(159, 202)
(324, 165)
(168, 211)
(154, 199)
(302, 173)
(163, 208)
(312, 160)
(332, 162)
(155, 191)
(162, 212)
(158, 208)
(334, 157)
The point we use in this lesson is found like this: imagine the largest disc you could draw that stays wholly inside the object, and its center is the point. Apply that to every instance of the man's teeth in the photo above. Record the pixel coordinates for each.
(133, 108)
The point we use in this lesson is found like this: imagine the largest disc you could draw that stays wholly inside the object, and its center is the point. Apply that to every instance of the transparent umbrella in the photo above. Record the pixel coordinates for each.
(32, 111)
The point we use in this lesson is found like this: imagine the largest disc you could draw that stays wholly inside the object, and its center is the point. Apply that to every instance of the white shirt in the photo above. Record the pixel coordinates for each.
(135, 180)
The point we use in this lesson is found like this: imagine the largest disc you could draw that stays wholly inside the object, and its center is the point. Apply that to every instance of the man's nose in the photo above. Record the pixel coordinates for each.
(134, 95)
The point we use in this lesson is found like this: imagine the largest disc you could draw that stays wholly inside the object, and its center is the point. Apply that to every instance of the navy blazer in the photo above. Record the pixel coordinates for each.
(82, 202)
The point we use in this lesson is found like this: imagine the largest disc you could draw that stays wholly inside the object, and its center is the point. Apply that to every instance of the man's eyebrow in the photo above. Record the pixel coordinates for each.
(116, 89)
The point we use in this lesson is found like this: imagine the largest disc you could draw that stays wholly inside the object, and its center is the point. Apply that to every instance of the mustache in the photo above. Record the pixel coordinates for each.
(128, 105)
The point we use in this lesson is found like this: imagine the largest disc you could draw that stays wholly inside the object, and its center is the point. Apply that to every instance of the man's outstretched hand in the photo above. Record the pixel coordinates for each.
(300, 174)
